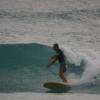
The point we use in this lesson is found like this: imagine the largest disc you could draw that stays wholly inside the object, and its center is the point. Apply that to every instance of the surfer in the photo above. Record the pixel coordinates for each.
(61, 59)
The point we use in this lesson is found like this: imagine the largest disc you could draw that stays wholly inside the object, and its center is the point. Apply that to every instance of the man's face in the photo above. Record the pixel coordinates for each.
(55, 48)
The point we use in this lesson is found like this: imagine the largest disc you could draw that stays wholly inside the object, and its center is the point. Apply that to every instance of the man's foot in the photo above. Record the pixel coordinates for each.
(65, 81)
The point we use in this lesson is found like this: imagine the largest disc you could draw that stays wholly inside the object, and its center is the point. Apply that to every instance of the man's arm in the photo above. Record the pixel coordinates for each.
(52, 60)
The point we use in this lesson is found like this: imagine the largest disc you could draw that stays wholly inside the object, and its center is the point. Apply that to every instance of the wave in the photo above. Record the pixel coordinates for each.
(66, 15)
(23, 68)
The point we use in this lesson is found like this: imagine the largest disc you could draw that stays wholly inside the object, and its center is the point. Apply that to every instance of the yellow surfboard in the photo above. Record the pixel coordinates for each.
(57, 85)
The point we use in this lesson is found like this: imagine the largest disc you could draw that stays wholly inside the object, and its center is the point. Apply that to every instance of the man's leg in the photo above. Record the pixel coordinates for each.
(61, 73)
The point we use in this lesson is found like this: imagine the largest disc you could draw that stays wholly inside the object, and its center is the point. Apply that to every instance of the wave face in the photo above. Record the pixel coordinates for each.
(23, 69)
(22, 66)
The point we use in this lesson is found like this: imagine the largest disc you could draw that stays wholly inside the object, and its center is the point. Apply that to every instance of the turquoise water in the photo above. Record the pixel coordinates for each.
(22, 66)
(23, 69)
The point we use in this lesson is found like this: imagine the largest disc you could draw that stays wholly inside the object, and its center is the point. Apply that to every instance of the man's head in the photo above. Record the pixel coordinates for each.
(55, 46)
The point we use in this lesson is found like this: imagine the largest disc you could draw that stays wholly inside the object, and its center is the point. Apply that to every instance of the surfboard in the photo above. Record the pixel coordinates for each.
(57, 85)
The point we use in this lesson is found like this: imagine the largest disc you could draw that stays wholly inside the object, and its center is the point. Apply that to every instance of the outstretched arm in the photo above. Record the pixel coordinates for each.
(52, 60)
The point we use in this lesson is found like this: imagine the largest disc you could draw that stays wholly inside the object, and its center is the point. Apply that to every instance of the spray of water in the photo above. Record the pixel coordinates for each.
(91, 65)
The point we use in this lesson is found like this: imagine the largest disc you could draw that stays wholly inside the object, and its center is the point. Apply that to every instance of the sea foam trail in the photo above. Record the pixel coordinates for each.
(42, 96)
(90, 61)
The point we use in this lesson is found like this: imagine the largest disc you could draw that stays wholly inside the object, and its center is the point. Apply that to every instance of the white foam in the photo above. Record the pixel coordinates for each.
(91, 59)
(48, 5)
(48, 96)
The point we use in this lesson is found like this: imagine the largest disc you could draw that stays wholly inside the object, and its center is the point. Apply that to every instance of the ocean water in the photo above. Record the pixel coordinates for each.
(24, 69)
(27, 31)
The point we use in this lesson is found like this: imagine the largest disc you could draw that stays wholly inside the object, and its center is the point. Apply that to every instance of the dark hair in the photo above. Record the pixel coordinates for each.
(56, 45)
